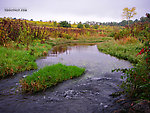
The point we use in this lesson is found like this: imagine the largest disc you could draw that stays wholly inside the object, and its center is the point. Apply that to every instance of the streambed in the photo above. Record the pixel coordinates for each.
(89, 93)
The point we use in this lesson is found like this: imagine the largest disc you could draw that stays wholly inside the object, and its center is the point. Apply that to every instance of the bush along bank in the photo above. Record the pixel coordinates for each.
(49, 76)
(137, 84)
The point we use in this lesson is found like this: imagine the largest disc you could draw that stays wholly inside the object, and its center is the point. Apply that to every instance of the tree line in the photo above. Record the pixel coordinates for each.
(95, 24)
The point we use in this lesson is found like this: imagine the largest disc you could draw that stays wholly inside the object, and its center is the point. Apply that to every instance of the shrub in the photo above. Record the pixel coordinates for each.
(87, 26)
(80, 25)
(95, 26)
(64, 24)
(135, 30)
(137, 81)
(112, 34)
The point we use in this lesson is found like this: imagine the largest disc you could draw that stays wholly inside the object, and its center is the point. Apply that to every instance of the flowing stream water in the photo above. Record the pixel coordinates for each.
(89, 93)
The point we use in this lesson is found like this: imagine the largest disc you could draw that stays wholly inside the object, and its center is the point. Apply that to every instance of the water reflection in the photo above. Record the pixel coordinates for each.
(66, 49)
(83, 55)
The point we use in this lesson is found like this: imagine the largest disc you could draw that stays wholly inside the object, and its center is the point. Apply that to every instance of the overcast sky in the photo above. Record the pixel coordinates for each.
(73, 10)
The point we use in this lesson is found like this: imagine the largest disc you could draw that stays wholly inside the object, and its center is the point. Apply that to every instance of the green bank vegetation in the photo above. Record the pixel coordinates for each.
(133, 44)
(126, 49)
(17, 59)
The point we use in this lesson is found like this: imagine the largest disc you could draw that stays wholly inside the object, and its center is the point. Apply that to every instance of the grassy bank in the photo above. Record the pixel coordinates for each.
(57, 41)
(49, 76)
(122, 49)
(136, 80)
(15, 58)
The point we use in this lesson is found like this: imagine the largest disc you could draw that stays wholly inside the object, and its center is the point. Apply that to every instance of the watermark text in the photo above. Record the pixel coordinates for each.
(15, 10)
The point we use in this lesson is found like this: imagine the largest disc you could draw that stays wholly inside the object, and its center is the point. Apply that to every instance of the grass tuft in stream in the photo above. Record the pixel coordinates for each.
(49, 76)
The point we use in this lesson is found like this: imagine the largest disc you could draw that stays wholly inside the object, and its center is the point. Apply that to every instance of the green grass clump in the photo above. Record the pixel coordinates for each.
(13, 61)
(126, 51)
(49, 76)
(16, 58)
(37, 49)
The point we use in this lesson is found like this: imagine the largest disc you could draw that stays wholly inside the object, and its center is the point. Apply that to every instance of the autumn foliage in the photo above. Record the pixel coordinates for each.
(22, 31)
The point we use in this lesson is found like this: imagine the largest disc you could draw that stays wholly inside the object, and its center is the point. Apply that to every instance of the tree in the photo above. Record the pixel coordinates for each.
(80, 25)
(148, 15)
(64, 24)
(136, 20)
(55, 24)
(129, 13)
(144, 19)
(123, 23)
(87, 25)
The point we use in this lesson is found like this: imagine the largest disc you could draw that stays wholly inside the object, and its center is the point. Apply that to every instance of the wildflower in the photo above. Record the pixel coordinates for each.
(142, 51)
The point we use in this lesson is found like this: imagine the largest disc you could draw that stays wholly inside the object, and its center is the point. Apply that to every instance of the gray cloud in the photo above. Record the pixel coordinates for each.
(74, 10)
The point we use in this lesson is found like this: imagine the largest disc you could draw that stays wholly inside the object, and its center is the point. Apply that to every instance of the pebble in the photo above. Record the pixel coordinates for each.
(24, 76)
(103, 78)
(101, 104)
(105, 106)
(17, 83)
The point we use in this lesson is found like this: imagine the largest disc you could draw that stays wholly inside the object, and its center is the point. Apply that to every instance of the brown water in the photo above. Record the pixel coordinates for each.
(89, 93)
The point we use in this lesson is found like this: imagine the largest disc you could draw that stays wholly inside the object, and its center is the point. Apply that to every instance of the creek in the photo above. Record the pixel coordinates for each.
(89, 93)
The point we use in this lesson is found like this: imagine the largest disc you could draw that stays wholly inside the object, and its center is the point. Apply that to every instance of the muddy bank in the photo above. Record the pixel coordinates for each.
(87, 94)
